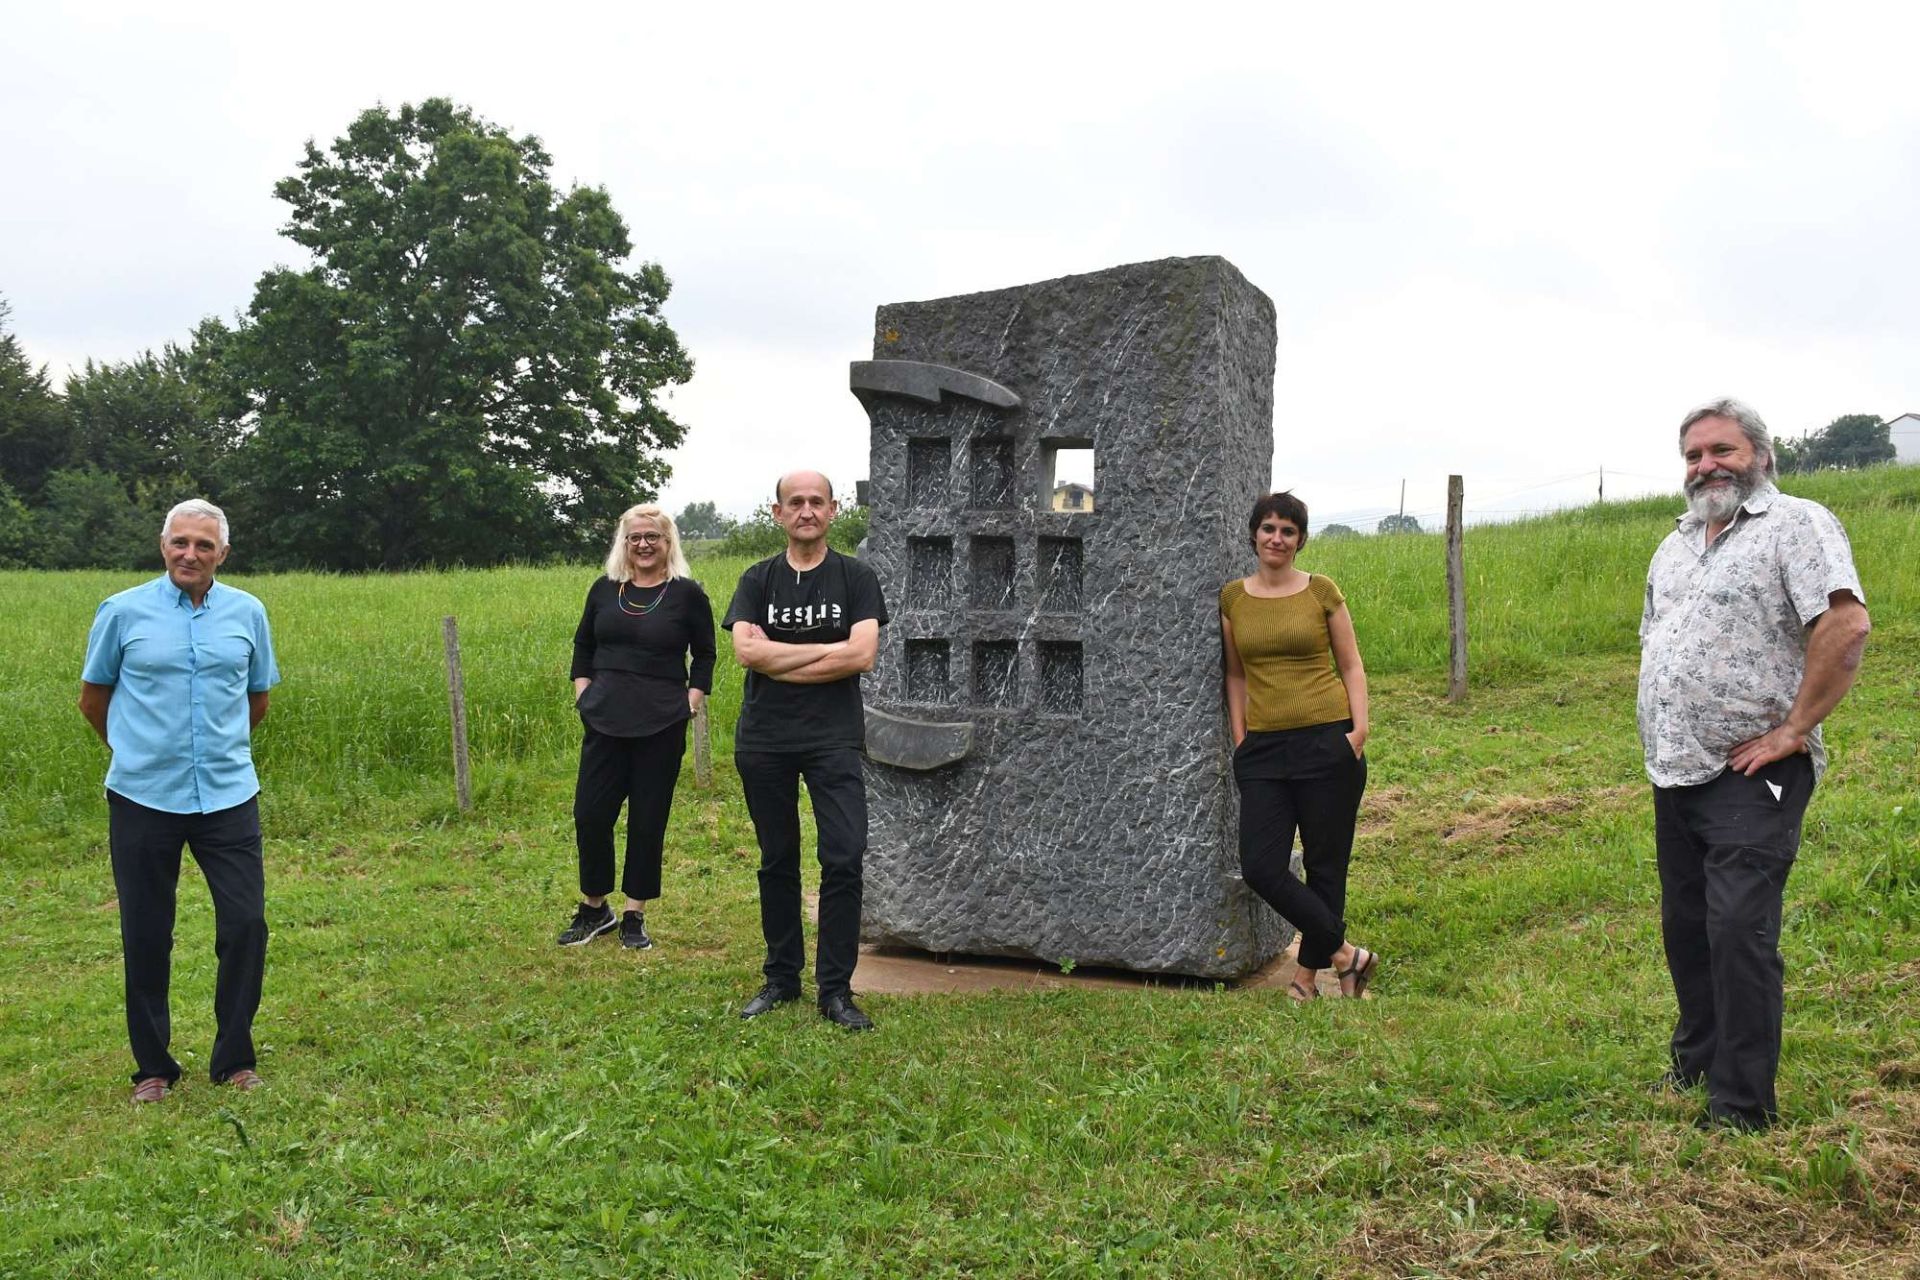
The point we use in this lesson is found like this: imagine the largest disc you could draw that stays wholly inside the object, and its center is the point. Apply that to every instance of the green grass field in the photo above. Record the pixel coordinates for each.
(451, 1095)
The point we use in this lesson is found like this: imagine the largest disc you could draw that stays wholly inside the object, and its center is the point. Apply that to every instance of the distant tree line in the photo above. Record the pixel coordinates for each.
(465, 374)
(759, 536)
(1851, 440)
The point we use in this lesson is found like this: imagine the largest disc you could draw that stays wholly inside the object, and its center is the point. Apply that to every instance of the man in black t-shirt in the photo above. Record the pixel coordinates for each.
(805, 624)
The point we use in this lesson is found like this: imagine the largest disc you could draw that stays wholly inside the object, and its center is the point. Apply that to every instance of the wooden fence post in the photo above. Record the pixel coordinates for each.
(1456, 591)
(457, 696)
(702, 747)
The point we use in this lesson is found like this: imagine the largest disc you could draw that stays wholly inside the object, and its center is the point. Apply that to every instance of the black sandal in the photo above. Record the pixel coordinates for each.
(1361, 972)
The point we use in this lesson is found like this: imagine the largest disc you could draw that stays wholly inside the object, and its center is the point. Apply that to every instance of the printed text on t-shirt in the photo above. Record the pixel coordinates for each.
(803, 617)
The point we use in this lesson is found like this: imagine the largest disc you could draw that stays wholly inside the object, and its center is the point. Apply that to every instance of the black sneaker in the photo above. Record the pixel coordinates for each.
(588, 924)
(633, 931)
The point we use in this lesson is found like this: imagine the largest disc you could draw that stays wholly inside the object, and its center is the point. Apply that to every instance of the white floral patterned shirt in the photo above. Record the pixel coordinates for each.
(1723, 638)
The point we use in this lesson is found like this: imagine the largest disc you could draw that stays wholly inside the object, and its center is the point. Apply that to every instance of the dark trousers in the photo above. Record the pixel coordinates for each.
(145, 845)
(1307, 779)
(835, 784)
(1725, 848)
(639, 773)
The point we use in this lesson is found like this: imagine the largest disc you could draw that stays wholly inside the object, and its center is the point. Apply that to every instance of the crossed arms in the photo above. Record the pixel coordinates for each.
(807, 663)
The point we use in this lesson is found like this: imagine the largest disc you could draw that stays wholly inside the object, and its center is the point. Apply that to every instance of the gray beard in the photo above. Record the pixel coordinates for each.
(1717, 505)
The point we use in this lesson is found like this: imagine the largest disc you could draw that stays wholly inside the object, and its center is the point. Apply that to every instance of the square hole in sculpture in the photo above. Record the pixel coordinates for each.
(1067, 475)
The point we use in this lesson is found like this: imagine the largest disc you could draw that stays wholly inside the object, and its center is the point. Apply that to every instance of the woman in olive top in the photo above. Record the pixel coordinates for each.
(635, 693)
(1297, 701)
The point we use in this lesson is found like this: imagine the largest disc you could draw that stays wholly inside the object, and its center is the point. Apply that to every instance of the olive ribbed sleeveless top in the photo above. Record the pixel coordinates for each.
(1287, 654)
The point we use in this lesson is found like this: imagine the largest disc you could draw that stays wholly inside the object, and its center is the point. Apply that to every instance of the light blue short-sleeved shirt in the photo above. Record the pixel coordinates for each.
(178, 721)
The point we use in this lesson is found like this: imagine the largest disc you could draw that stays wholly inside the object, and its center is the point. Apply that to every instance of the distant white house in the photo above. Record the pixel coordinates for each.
(1905, 433)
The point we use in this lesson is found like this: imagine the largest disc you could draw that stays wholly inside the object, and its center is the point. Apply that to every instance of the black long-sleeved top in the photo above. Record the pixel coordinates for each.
(639, 662)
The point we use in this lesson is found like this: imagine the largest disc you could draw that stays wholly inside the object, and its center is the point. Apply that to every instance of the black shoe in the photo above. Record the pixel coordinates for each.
(633, 931)
(588, 924)
(767, 999)
(841, 1011)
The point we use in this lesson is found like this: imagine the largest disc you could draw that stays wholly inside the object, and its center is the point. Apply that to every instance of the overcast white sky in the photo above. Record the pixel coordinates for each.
(1514, 241)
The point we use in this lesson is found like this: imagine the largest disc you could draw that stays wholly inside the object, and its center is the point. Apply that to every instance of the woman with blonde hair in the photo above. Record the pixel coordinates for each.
(642, 665)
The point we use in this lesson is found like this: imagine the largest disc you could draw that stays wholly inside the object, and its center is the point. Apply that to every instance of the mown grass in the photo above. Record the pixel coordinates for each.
(451, 1095)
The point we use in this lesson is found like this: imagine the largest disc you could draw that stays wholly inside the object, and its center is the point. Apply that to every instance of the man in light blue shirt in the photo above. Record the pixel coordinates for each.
(175, 679)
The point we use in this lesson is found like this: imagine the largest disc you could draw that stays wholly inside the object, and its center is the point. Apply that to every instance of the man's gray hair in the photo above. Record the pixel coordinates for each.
(1742, 415)
(196, 507)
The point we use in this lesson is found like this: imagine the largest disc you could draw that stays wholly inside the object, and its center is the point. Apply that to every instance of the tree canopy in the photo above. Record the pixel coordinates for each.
(1851, 440)
(1397, 524)
(465, 373)
(35, 432)
(702, 520)
(148, 423)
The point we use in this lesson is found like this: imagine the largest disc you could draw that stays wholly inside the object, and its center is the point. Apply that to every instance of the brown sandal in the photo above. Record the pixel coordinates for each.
(1301, 995)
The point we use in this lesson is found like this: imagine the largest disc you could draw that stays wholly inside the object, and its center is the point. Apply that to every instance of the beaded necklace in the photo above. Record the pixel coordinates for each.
(642, 610)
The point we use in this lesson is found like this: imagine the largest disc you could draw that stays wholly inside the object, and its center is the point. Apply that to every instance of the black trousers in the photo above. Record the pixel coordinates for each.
(838, 790)
(1307, 779)
(639, 773)
(1725, 848)
(145, 845)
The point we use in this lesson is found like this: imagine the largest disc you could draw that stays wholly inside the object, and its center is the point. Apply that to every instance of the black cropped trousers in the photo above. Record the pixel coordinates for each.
(1306, 780)
(640, 773)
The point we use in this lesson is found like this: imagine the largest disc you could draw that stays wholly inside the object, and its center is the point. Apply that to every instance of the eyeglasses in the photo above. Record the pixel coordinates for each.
(646, 539)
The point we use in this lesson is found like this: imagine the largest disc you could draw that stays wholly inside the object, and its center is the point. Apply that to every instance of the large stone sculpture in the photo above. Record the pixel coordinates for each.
(1049, 766)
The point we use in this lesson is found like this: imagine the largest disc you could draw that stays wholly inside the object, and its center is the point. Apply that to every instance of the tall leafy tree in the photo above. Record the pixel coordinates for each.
(89, 521)
(18, 543)
(35, 432)
(149, 423)
(466, 373)
(702, 520)
(1850, 440)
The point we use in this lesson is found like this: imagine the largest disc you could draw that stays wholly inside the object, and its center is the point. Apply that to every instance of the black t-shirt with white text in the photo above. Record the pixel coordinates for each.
(817, 606)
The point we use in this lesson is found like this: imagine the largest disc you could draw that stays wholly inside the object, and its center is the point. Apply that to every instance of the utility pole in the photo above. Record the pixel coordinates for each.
(1403, 502)
(1603, 482)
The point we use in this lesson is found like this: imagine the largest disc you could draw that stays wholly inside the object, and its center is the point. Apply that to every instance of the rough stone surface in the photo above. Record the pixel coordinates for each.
(1093, 816)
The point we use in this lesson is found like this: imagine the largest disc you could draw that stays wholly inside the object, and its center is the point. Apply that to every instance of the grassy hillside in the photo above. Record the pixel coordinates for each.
(449, 1094)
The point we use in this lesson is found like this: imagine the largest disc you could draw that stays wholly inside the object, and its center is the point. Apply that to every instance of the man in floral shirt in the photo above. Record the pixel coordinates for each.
(1753, 631)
